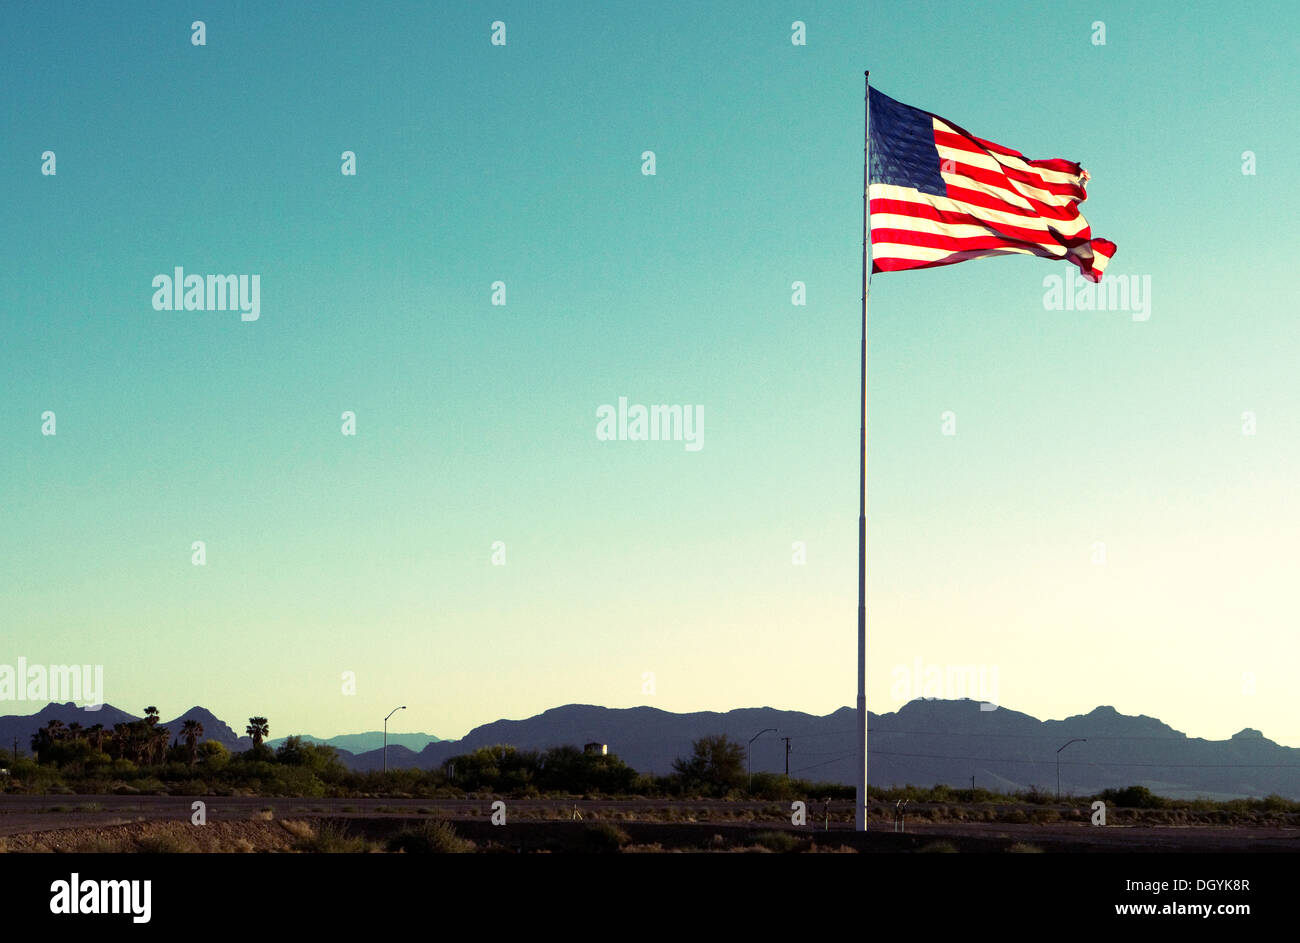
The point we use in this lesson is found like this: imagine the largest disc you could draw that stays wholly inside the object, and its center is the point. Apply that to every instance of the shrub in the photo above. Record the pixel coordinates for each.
(328, 838)
(779, 842)
(938, 847)
(163, 843)
(436, 837)
(604, 837)
(1132, 797)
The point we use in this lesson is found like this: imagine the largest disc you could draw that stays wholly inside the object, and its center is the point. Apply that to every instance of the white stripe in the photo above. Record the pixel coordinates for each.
(906, 253)
(1018, 187)
(895, 250)
(1066, 227)
(1051, 176)
(956, 230)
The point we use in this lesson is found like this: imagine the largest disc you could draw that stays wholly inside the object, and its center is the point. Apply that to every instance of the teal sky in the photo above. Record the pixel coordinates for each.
(476, 423)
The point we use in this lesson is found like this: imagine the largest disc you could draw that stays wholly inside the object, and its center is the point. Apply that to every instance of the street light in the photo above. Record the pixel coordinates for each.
(390, 714)
(1058, 763)
(749, 766)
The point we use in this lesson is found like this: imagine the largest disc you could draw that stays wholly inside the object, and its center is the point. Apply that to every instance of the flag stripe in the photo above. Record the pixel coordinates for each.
(945, 210)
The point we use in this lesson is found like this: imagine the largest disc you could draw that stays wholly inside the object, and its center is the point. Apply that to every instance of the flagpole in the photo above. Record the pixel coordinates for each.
(862, 481)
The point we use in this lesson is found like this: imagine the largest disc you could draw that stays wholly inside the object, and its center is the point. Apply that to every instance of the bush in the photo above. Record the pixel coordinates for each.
(163, 843)
(938, 847)
(436, 837)
(1132, 797)
(604, 837)
(327, 838)
(779, 842)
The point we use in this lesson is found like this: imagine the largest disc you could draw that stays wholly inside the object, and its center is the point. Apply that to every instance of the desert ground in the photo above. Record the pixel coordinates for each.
(250, 823)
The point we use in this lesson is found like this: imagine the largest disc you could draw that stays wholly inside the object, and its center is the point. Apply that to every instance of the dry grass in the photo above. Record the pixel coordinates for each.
(298, 829)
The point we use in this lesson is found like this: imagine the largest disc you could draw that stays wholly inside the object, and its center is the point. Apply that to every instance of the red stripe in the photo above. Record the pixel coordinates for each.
(958, 142)
(1101, 247)
(888, 264)
(1037, 207)
(995, 148)
(910, 237)
(1058, 164)
(930, 211)
(996, 179)
(925, 211)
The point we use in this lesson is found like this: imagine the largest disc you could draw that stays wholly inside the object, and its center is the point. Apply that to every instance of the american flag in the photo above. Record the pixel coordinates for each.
(939, 195)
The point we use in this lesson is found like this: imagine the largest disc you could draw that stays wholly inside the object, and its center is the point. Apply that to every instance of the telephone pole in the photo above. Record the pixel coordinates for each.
(787, 756)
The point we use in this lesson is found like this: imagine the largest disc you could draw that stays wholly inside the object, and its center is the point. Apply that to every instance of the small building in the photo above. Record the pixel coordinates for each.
(596, 749)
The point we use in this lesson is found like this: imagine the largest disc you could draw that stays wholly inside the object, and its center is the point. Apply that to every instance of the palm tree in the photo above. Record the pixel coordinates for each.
(96, 736)
(151, 715)
(132, 740)
(74, 731)
(119, 741)
(41, 741)
(191, 730)
(158, 737)
(56, 729)
(257, 729)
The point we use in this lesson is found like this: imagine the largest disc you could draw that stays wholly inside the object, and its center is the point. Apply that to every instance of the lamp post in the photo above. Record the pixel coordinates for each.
(749, 766)
(1058, 763)
(390, 714)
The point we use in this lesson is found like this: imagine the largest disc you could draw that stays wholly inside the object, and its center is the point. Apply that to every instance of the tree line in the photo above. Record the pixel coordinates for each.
(143, 742)
(144, 756)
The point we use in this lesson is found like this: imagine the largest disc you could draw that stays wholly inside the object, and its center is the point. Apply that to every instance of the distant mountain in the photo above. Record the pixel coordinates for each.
(214, 728)
(925, 742)
(370, 740)
(23, 726)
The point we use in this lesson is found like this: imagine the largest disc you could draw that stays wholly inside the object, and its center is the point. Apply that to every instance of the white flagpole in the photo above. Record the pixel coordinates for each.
(862, 492)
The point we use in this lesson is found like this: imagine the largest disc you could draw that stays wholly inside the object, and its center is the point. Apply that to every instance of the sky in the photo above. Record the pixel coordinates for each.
(1107, 525)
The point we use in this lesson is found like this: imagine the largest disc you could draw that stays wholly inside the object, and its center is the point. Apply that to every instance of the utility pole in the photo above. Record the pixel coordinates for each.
(787, 756)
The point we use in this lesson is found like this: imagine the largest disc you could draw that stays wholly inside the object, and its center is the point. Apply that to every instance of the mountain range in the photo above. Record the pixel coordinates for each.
(364, 742)
(925, 742)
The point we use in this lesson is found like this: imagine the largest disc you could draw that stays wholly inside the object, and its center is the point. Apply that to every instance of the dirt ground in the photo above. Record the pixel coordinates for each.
(162, 824)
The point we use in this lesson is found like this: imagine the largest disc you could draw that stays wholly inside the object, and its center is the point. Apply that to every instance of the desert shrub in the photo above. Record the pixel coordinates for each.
(1132, 797)
(1276, 803)
(779, 842)
(938, 847)
(163, 843)
(604, 836)
(435, 837)
(297, 828)
(105, 845)
(327, 838)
